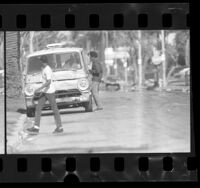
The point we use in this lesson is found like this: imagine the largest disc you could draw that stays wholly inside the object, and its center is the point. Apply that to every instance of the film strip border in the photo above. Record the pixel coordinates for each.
(97, 168)
(133, 167)
(95, 16)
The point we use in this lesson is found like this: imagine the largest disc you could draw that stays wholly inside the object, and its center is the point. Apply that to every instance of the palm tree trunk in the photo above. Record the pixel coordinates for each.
(135, 65)
(13, 74)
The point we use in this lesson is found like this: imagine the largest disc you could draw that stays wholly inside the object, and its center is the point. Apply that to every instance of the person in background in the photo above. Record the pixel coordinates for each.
(156, 76)
(97, 73)
(47, 93)
(156, 61)
(69, 63)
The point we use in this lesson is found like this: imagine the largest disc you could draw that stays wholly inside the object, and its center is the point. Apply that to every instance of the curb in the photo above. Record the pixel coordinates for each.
(18, 135)
(184, 90)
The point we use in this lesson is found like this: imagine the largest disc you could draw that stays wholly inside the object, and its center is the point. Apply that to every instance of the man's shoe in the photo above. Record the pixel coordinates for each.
(33, 130)
(99, 108)
(58, 130)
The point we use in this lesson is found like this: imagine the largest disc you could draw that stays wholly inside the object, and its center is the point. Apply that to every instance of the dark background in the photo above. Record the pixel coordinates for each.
(8, 167)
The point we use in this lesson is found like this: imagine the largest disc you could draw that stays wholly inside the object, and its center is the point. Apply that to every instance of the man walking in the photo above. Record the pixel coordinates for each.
(47, 93)
(156, 61)
(97, 73)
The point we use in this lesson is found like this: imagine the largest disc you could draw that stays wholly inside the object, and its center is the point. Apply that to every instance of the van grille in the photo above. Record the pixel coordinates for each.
(68, 93)
(62, 93)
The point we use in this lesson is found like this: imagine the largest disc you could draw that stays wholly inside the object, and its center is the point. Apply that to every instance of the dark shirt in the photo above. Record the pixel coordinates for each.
(97, 71)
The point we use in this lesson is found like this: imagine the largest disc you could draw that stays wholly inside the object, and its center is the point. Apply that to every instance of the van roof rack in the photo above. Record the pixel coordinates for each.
(56, 45)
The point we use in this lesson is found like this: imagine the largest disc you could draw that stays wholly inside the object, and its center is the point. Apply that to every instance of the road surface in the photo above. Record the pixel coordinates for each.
(134, 122)
(2, 133)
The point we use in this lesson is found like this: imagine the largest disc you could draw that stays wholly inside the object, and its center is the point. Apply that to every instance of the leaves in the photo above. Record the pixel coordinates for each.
(99, 40)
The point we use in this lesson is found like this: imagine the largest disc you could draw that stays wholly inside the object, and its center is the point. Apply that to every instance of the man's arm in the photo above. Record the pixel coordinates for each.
(93, 69)
(48, 74)
(46, 84)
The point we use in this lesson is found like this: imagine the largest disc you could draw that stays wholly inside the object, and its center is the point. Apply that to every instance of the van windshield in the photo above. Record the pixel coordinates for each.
(58, 62)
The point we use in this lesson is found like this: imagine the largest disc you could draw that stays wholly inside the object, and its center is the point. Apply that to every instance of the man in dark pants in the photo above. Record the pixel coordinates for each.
(47, 93)
(156, 76)
(97, 73)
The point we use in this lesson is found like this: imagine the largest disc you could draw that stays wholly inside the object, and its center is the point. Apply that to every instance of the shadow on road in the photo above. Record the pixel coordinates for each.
(110, 149)
(64, 112)
(21, 110)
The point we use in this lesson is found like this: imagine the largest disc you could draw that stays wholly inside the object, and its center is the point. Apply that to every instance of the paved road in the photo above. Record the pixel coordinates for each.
(140, 121)
(2, 133)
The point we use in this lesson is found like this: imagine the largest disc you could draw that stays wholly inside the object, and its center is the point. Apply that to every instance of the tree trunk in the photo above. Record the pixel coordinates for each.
(13, 74)
(144, 70)
(88, 45)
(187, 53)
(169, 74)
(140, 57)
(164, 62)
(135, 65)
(2, 55)
(31, 42)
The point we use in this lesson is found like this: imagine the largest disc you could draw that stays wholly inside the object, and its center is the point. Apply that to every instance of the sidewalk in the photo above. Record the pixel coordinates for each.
(15, 123)
(178, 87)
(170, 88)
(15, 120)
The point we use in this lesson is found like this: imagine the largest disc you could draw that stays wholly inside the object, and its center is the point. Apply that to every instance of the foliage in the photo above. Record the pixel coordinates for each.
(96, 40)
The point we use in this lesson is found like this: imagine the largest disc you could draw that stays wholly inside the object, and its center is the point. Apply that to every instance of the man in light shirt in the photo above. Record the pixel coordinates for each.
(47, 93)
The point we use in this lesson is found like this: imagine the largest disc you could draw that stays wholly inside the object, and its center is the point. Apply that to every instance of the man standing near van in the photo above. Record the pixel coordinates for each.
(47, 93)
(97, 73)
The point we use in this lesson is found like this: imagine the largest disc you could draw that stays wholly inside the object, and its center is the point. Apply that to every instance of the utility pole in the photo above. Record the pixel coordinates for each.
(106, 46)
(163, 59)
(102, 46)
(126, 70)
(115, 61)
(140, 57)
(106, 33)
(187, 53)
(88, 43)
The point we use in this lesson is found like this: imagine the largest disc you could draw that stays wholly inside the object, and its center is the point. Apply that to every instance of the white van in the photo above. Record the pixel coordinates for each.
(71, 78)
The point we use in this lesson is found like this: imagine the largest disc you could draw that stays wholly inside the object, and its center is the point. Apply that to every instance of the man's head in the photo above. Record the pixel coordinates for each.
(93, 55)
(71, 59)
(44, 61)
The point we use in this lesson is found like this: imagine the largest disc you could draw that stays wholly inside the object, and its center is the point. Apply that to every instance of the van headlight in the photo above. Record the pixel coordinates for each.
(83, 84)
(29, 90)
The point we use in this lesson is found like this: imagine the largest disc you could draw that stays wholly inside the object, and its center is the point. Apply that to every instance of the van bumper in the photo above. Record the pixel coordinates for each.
(64, 101)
